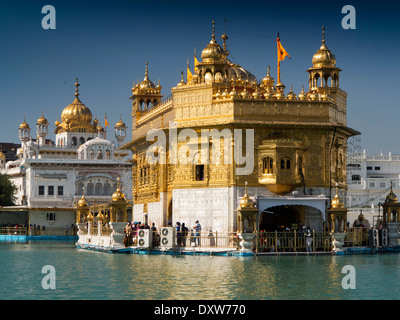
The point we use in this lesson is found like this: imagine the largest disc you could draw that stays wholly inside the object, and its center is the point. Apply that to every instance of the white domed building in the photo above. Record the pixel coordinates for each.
(52, 176)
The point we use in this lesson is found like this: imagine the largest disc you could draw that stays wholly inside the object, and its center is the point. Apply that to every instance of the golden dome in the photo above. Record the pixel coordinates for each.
(2, 156)
(118, 195)
(24, 125)
(82, 201)
(182, 82)
(76, 111)
(302, 94)
(291, 95)
(42, 120)
(391, 197)
(268, 81)
(246, 202)
(336, 201)
(279, 94)
(213, 51)
(57, 123)
(324, 57)
(120, 124)
(146, 83)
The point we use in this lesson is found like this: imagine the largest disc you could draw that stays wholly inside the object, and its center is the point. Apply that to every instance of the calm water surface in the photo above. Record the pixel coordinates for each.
(82, 274)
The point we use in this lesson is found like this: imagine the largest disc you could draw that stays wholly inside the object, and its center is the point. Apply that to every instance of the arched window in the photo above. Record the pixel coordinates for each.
(300, 166)
(106, 189)
(285, 163)
(268, 164)
(97, 189)
(74, 141)
(81, 140)
(90, 189)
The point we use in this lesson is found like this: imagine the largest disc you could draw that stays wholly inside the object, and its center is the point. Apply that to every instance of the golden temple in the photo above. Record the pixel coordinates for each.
(299, 144)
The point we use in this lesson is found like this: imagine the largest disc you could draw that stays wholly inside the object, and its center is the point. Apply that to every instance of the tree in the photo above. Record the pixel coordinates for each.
(7, 191)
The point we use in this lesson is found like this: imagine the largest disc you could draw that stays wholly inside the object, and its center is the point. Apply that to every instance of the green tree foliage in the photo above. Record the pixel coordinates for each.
(7, 191)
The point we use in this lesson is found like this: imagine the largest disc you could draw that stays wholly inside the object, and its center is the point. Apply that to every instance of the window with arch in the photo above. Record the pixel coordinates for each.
(98, 189)
(300, 166)
(74, 141)
(90, 189)
(285, 163)
(81, 140)
(268, 165)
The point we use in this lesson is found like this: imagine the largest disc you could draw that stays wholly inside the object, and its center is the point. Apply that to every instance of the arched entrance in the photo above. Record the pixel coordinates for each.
(279, 218)
(291, 216)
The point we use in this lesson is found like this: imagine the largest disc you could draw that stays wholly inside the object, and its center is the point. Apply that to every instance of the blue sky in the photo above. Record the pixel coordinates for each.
(107, 43)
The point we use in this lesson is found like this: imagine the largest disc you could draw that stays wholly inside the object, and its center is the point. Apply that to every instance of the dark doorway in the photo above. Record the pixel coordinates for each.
(278, 218)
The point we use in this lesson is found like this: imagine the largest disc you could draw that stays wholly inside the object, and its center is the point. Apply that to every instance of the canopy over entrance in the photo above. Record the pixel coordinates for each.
(291, 212)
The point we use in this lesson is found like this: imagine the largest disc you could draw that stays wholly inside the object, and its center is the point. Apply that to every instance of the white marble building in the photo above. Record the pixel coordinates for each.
(50, 177)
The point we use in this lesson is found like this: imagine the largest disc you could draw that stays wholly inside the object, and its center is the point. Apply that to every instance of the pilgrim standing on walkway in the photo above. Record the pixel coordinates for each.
(197, 228)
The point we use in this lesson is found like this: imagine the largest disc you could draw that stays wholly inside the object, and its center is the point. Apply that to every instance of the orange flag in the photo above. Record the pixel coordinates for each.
(105, 120)
(282, 54)
(281, 50)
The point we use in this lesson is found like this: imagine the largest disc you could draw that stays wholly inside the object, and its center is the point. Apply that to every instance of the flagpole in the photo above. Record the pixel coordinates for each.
(279, 64)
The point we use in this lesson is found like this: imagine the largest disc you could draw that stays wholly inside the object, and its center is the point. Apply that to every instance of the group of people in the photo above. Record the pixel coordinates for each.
(303, 232)
(182, 232)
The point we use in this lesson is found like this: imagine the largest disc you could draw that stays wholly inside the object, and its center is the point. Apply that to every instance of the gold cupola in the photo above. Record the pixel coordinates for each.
(246, 202)
(336, 201)
(76, 112)
(213, 51)
(24, 125)
(118, 195)
(324, 57)
(42, 120)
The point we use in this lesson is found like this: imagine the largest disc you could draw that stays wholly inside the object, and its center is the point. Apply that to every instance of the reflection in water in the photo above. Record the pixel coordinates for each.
(82, 274)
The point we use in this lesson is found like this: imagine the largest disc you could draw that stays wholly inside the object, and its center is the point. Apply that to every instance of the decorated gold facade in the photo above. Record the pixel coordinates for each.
(300, 140)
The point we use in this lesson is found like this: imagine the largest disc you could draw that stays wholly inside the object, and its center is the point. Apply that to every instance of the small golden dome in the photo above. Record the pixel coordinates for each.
(146, 83)
(100, 216)
(302, 94)
(269, 94)
(118, 195)
(246, 202)
(291, 95)
(120, 124)
(42, 120)
(233, 93)
(217, 95)
(24, 125)
(324, 57)
(336, 201)
(391, 197)
(82, 201)
(279, 95)
(245, 94)
(213, 51)
(256, 94)
(268, 81)
(57, 123)
(182, 82)
(2, 156)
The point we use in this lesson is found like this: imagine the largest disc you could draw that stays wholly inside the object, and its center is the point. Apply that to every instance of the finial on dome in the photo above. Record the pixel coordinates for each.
(77, 89)
(323, 35)
(224, 37)
(146, 74)
(213, 31)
